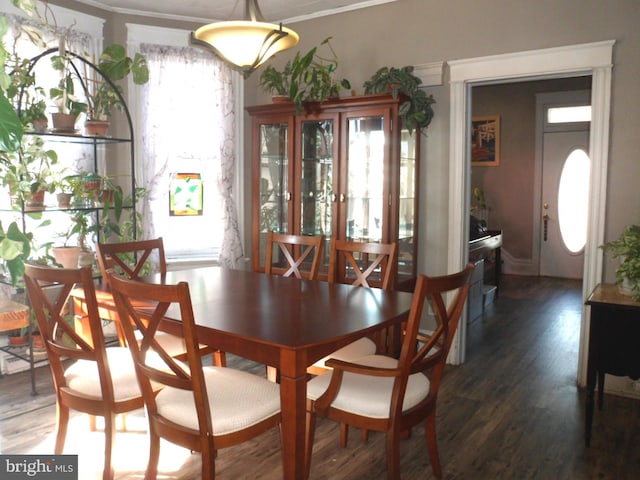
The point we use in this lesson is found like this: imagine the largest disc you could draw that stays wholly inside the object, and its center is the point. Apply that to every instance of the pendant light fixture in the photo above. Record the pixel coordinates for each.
(245, 44)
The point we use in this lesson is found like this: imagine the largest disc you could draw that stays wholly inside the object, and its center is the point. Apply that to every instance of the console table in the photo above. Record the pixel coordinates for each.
(614, 343)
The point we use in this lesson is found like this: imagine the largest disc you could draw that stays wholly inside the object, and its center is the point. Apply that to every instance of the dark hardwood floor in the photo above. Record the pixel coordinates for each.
(512, 411)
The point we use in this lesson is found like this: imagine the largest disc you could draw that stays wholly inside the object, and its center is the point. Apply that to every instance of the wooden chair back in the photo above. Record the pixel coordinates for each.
(363, 264)
(48, 290)
(294, 252)
(131, 258)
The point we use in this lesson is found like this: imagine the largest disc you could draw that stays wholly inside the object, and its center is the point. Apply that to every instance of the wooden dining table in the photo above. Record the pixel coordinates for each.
(285, 323)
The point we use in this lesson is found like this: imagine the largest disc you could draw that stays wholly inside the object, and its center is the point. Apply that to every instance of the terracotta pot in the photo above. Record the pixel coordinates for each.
(64, 199)
(37, 341)
(63, 122)
(36, 202)
(66, 256)
(40, 125)
(96, 128)
(18, 341)
(280, 99)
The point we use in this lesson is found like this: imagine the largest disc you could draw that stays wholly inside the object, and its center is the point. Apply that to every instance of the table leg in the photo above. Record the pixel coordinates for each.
(591, 378)
(293, 396)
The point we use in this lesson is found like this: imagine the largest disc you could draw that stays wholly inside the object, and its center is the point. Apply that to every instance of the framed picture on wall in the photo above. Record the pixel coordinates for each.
(485, 141)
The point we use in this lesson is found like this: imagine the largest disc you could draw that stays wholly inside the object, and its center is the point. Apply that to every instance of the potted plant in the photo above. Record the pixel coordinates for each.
(103, 94)
(415, 108)
(307, 78)
(626, 248)
(64, 95)
(71, 256)
(27, 172)
(68, 190)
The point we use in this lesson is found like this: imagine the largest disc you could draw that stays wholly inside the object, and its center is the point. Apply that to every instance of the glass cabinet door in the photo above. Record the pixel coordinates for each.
(274, 182)
(316, 178)
(407, 206)
(364, 191)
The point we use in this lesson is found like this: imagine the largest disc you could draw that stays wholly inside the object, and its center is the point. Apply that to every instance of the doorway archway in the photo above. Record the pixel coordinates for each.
(593, 59)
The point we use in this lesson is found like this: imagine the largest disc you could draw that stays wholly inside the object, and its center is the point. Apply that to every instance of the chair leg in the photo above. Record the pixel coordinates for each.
(432, 444)
(109, 442)
(208, 463)
(344, 435)
(311, 430)
(219, 358)
(273, 374)
(154, 455)
(62, 421)
(365, 435)
(393, 454)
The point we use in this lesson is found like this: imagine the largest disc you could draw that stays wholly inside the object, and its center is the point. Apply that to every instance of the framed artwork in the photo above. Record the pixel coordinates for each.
(485, 141)
(185, 195)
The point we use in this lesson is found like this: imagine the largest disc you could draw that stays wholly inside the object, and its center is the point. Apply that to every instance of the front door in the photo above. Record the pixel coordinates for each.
(565, 185)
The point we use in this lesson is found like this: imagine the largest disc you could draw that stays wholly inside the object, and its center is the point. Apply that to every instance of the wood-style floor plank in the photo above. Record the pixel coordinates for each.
(512, 411)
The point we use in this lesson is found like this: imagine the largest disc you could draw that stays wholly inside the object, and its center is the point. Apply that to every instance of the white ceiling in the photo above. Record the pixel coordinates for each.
(216, 10)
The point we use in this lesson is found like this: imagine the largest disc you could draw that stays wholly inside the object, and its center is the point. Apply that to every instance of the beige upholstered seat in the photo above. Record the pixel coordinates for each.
(392, 395)
(200, 408)
(101, 380)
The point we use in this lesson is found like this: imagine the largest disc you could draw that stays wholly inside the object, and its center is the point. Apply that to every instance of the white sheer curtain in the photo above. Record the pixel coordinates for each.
(188, 126)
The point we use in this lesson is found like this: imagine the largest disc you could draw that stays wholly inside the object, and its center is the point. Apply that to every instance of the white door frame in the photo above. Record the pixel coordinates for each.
(593, 59)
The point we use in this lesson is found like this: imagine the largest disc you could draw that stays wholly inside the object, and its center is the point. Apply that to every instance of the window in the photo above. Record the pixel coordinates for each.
(187, 125)
(573, 200)
(573, 114)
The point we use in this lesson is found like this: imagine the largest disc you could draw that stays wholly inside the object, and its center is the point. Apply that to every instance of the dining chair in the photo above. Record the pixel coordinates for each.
(135, 259)
(287, 254)
(386, 394)
(366, 265)
(200, 408)
(101, 381)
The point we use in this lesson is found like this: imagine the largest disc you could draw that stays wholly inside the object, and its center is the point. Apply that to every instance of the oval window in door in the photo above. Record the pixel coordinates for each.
(573, 199)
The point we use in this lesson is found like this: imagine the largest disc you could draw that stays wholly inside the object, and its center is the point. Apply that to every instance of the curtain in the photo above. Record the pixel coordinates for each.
(188, 125)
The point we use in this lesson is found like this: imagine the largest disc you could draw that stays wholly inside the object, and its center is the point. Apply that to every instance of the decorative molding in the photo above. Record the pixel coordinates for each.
(430, 73)
(570, 59)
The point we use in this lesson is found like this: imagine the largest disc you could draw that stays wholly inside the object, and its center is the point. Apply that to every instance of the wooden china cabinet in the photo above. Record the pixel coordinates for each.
(344, 169)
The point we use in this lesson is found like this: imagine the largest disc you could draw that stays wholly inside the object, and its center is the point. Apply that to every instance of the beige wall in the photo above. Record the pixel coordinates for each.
(422, 31)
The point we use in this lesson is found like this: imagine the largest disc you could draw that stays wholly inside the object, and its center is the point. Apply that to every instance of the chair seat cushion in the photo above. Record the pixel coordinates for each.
(237, 400)
(370, 396)
(82, 376)
(172, 344)
(360, 348)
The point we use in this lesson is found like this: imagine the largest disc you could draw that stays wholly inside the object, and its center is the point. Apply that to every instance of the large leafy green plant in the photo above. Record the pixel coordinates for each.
(415, 108)
(115, 65)
(306, 78)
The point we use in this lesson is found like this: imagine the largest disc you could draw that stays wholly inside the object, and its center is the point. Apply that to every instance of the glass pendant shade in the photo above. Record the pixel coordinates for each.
(246, 44)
